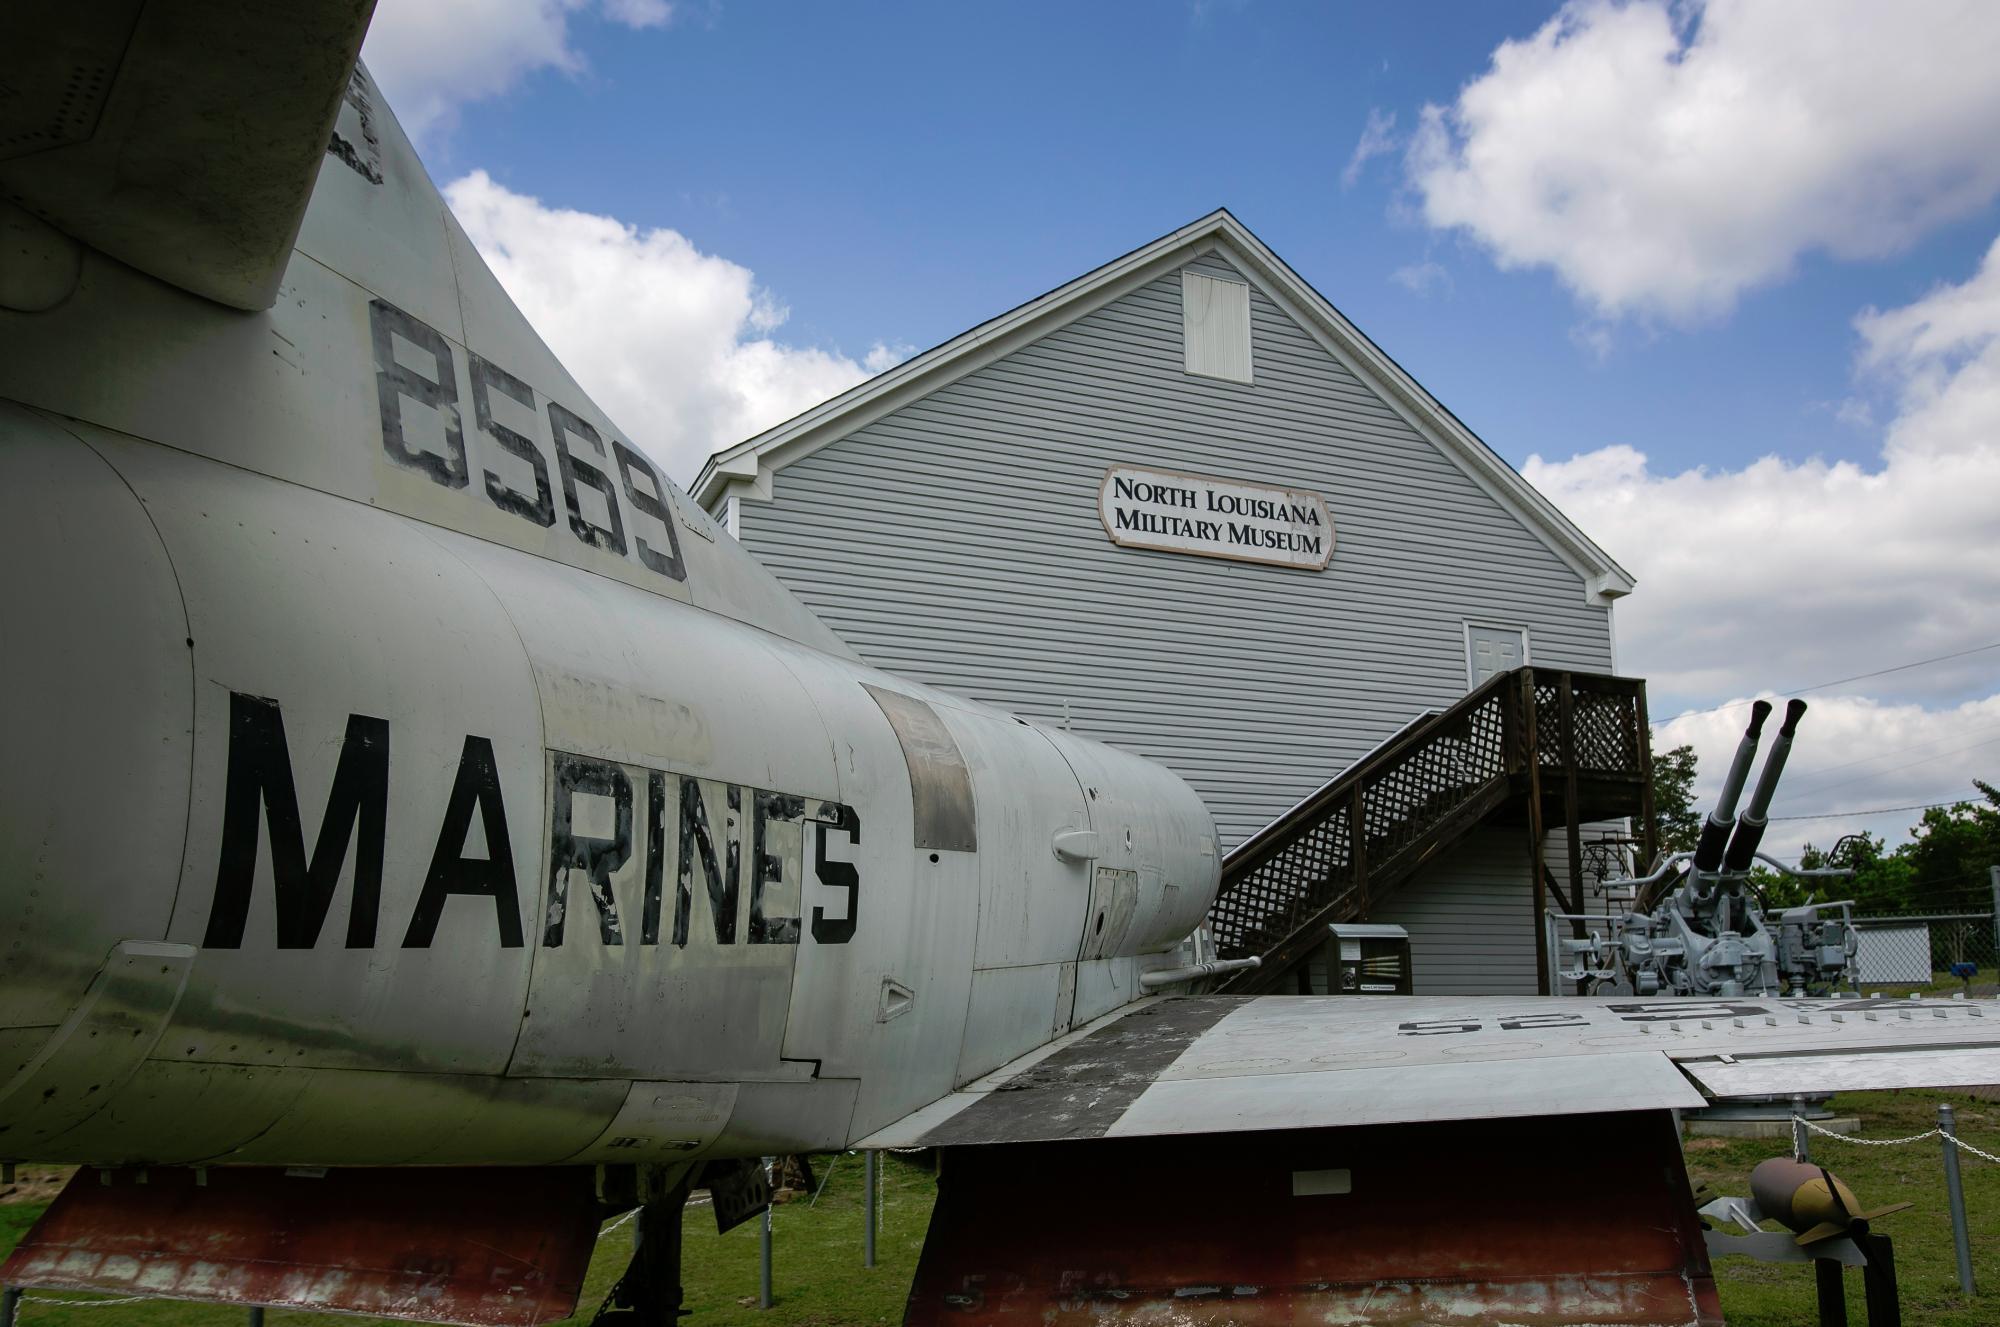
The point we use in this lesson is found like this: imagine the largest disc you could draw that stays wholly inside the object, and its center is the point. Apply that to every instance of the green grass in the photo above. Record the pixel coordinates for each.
(820, 1281)
(1758, 1294)
(15, 1218)
(1984, 982)
(817, 1274)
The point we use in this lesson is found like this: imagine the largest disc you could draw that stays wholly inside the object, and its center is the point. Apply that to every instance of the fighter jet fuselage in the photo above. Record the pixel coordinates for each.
(401, 770)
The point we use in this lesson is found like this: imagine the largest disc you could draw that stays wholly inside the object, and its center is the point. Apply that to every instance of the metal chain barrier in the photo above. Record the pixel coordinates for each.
(1964, 1146)
(1865, 1142)
(1954, 1139)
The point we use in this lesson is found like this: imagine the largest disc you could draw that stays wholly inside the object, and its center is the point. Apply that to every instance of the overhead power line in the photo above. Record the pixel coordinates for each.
(1838, 681)
(1873, 810)
(1889, 751)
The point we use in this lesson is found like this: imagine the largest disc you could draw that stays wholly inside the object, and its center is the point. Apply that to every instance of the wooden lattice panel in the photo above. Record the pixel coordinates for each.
(1606, 732)
(1266, 904)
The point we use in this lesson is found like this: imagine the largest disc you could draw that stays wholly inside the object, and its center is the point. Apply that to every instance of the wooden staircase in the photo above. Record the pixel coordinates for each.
(1531, 747)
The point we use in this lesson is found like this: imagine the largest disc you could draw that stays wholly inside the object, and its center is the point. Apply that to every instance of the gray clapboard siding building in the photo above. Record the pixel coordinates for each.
(978, 518)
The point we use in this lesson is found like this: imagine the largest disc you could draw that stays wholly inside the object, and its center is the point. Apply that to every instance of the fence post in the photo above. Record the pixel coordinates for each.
(872, 1179)
(1996, 914)
(1854, 968)
(764, 1300)
(1955, 1191)
(10, 1305)
(1801, 1148)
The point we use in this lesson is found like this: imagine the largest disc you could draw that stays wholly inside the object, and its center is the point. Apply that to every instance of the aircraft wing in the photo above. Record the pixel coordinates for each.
(1223, 1064)
(179, 136)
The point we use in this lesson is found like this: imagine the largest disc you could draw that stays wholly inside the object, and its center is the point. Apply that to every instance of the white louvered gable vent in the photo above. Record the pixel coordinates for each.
(1215, 319)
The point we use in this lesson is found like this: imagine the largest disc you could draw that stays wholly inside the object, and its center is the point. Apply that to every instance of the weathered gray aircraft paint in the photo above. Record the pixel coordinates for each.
(400, 771)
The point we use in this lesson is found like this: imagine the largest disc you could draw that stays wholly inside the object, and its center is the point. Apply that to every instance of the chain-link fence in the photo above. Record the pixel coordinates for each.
(1937, 951)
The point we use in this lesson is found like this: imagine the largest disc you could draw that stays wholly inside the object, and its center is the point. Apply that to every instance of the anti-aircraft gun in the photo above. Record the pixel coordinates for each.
(1697, 924)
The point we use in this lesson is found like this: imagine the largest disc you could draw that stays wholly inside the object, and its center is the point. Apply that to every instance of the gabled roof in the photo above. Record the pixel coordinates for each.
(746, 468)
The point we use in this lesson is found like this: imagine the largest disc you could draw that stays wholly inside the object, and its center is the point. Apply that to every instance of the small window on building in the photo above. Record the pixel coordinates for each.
(1215, 320)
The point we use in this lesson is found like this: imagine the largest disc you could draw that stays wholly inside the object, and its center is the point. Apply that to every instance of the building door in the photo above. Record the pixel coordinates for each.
(1491, 649)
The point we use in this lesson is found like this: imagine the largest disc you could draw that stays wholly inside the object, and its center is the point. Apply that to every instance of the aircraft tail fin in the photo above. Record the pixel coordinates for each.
(180, 138)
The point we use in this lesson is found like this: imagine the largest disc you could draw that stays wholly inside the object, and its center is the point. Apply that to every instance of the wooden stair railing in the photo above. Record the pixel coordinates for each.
(1336, 854)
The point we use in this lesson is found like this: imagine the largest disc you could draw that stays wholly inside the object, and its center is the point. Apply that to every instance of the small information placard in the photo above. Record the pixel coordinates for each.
(1217, 518)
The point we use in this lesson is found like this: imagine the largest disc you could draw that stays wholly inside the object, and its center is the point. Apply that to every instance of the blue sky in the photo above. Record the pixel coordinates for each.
(898, 173)
(1715, 276)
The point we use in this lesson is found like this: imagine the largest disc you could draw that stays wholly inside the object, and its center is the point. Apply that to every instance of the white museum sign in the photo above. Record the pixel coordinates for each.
(1217, 518)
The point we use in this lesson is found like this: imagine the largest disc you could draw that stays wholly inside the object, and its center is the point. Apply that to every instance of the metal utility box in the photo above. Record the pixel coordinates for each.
(1360, 958)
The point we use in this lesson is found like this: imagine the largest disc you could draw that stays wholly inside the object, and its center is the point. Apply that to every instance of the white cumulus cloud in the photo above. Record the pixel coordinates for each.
(432, 56)
(673, 343)
(1378, 139)
(1797, 572)
(1423, 279)
(1663, 158)
(1854, 753)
